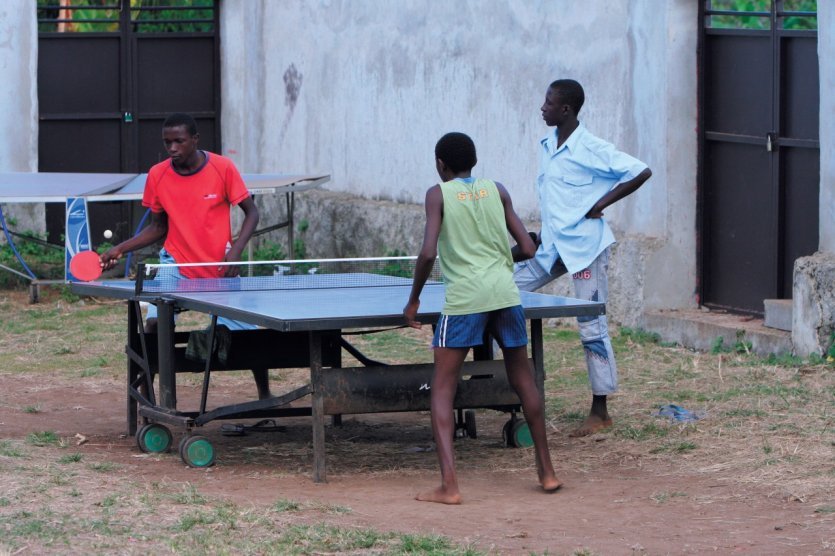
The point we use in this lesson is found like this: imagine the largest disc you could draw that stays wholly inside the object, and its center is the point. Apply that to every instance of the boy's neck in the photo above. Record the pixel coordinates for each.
(565, 130)
(462, 175)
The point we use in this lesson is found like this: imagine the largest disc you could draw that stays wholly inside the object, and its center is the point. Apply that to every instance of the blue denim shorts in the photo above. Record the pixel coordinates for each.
(506, 325)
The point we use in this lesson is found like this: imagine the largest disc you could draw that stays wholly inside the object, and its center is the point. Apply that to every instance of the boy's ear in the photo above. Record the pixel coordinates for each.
(440, 165)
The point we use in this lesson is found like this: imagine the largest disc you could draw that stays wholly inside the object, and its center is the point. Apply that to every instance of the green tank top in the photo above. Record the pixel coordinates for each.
(474, 250)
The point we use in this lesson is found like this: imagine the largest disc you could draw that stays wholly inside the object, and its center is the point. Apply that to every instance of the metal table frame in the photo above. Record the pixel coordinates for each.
(333, 389)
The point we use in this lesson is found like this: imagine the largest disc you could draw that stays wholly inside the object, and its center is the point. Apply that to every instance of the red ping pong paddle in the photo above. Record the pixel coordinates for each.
(86, 265)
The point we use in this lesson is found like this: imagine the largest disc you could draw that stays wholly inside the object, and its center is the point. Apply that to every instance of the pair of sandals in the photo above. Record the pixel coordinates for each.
(239, 429)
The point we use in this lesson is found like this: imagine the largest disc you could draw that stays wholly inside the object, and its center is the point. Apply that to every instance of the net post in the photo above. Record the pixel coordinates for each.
(140, 277)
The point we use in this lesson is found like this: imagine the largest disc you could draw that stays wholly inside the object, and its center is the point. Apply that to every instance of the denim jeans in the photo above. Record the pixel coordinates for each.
(591, 284)
(166, 258)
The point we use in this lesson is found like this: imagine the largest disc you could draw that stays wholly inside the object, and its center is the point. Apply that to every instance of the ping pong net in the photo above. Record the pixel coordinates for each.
(283, 275)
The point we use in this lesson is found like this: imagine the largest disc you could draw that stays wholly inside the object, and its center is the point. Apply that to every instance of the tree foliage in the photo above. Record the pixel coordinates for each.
(755, 14)
(148, 16)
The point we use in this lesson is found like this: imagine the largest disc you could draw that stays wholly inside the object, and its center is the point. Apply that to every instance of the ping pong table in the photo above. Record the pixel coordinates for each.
(305, 320)
(51, 187)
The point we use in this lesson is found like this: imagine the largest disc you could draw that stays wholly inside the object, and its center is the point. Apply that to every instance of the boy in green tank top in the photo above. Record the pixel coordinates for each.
(467, 222)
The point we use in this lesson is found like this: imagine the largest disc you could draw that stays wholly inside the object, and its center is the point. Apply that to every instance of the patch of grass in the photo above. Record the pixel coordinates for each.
(285, 505)
(68, 296)
(70, 458)
(43, 438)
(745, 412)
(684, 446)
(103, 466)
(31, 409)
(10, 449)
(322, 538)
(108, 501)
(647, 431)
(189, 496)
(25, 526)
(332, 508)
(193, 519)
(663, 496)
(741, 345)
(86, 373)
(825, 510)
(638, 336)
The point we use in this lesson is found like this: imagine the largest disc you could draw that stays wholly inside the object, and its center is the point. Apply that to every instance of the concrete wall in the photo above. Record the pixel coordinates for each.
(364, 90)
(19, 102)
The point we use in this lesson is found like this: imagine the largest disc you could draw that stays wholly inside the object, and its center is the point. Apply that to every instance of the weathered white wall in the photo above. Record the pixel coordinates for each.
(18, 87)
(19, 102)
(363, 90)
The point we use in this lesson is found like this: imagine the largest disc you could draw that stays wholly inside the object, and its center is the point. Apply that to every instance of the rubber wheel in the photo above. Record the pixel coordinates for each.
(469, 423)
(154, 439)
(180, 446)
(521, 434)
(197, 451)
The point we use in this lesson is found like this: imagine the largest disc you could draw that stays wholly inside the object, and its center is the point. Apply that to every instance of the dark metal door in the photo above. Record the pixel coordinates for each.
(759, 152)
(108, 75)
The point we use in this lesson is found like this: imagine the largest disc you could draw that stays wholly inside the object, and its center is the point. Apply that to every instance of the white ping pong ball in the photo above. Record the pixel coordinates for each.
(108, 234)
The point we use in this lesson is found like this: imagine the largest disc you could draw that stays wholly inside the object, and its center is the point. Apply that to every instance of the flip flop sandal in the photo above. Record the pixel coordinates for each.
(229, 429)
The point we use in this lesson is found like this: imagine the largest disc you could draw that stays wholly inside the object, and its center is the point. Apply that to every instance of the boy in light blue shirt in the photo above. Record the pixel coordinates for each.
(580, 175)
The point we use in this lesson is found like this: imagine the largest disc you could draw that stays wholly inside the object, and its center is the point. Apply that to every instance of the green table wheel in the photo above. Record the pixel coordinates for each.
(197, 451)
(154, 438)
(520, 434)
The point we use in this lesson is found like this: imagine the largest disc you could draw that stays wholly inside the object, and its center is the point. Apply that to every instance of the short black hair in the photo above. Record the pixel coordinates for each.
(457, 151)
(570, 92)
(177, 119)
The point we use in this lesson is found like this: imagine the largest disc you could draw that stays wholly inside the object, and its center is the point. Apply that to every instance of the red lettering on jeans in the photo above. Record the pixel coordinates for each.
(582, 275)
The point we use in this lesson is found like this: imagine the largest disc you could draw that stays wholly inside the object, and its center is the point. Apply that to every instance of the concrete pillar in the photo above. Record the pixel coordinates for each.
(813, 305)
(19, 104)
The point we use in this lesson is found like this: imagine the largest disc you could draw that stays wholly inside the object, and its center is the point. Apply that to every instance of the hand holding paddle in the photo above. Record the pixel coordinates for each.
(110, 257)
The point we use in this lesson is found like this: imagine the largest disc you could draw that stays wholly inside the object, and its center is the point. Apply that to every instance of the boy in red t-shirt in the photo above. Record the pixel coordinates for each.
(190, 196)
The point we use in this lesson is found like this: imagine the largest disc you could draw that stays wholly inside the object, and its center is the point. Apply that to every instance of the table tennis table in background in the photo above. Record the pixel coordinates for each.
(305, 319)
(59, 187)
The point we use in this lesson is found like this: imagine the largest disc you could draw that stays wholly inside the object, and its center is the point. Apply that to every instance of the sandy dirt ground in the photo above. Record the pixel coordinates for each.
(613, 501)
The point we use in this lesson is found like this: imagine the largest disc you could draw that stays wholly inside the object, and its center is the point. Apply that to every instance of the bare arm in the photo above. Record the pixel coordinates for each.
(428, 251)
(251, 218)
(525, 247)
(155, 231)
(622, 190)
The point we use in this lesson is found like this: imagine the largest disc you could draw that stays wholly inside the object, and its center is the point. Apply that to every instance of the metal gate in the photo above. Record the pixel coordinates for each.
(759, 151)
(109, 72)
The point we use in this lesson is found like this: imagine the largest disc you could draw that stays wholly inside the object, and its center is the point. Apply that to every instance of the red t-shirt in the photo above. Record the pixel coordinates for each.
(197, 205)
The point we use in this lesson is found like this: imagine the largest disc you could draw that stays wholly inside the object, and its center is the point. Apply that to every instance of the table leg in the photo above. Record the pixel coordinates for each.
(291, 202)
(165, 347)
(538, 355)
(317, 408)
(134, 370)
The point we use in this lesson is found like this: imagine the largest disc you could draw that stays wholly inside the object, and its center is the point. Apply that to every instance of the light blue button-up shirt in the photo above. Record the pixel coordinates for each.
(572, 178)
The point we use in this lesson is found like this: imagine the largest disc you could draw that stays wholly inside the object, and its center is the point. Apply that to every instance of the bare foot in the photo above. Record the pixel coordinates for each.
(591, 425)
(439, 495)
(550, 484)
